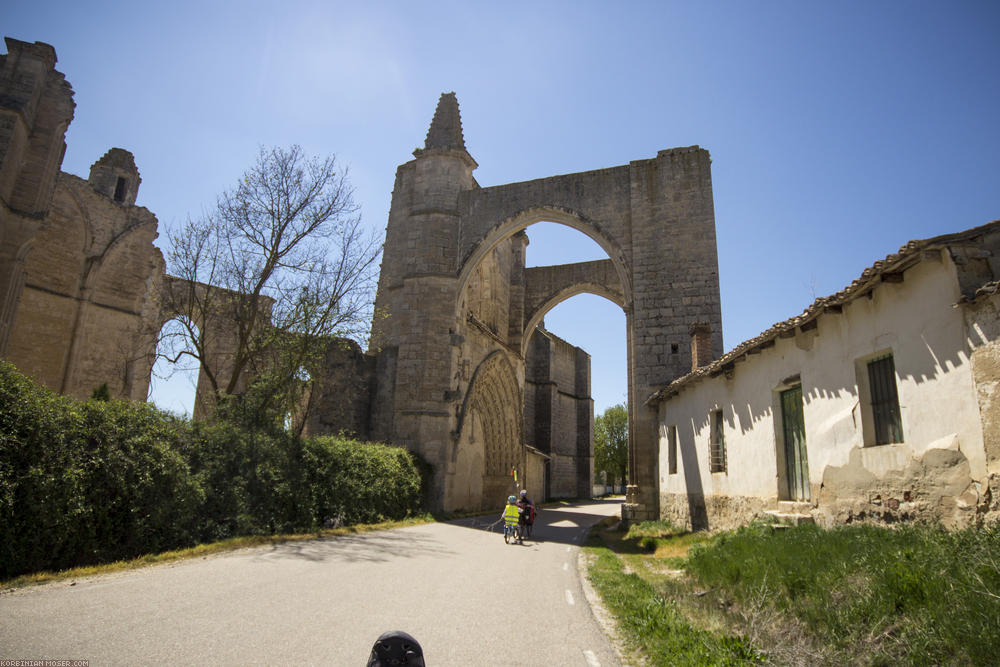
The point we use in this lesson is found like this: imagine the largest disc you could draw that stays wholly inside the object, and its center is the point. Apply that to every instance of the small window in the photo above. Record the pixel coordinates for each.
(884, 400)
(673, 348)
(120, 189)
(717, 454)
(672, 450)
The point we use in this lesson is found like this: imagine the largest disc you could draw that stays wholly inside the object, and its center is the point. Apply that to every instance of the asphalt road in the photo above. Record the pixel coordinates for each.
(467, 597)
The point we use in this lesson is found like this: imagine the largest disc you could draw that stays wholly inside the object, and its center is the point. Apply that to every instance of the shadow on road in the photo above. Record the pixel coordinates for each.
(371, 547)
(556, 522)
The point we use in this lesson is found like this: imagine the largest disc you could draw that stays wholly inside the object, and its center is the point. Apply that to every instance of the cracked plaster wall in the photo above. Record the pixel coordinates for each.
(939, 472)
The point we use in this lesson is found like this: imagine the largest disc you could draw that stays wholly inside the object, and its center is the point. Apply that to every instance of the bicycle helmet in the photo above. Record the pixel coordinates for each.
(511, 499)
(396, 648)
(524, 492)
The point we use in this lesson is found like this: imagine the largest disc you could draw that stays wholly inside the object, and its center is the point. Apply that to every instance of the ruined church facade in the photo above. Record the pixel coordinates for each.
(458, 368)
(457, 338)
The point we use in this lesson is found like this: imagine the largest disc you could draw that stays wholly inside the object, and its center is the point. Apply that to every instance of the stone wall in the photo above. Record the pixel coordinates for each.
(559, 413)
(89, 310)
(36, 107)
(342, 393)
(455, 306)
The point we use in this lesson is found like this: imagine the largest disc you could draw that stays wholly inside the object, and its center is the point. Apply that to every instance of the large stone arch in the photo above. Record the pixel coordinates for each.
(489, 440)
(453, 287)
(548, 286)
(211, 310)
(492, 235)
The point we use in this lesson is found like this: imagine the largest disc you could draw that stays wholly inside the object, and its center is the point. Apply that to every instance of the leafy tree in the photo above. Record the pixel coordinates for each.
(279, 268)
(611, 443)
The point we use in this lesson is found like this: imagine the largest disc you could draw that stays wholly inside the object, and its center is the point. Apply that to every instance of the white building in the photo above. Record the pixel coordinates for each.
(878, 402)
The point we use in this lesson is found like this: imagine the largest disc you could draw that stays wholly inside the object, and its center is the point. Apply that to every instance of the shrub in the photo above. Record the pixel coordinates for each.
(361, 482)
(85, 482)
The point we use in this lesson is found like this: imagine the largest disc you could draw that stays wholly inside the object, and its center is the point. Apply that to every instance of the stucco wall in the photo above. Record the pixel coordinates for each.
(930, 474)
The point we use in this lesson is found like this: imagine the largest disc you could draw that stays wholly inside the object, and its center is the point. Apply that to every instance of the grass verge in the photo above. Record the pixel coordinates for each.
(649, 623)
(858, 595)
(202, 550)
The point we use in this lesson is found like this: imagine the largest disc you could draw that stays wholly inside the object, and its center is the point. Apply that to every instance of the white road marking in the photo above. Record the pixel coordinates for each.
(568, 548)
(591, 659)
(569, 597)
(565, 566)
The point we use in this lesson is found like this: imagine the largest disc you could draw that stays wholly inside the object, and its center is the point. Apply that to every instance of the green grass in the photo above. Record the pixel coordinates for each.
(865, 595)
(202, 550)
(653, 625)
(916, 594)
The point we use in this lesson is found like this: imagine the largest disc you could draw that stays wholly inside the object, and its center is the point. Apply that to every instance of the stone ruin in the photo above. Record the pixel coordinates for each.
(459, 368)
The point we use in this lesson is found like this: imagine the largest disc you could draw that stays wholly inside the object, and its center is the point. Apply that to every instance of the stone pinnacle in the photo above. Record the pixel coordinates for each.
(446, 128)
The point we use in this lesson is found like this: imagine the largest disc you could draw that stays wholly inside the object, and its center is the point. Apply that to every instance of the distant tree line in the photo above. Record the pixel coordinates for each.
(611, 444)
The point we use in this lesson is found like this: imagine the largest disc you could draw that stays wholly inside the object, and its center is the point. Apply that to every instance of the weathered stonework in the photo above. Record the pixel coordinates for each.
(88, 310)
(453, 293)
(453, 371)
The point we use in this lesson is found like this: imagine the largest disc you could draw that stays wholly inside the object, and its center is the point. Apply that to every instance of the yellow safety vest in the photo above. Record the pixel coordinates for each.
(510, 515)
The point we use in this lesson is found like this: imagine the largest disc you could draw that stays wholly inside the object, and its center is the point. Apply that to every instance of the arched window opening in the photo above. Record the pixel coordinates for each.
(174, 379)
(551, 243)
(590, 322)
(120, 189)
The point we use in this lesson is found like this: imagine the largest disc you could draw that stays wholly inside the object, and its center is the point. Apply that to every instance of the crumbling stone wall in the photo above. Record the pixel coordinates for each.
(341, 394)
(89, 310)
(455, 305)
(36, 107)
(983, 317)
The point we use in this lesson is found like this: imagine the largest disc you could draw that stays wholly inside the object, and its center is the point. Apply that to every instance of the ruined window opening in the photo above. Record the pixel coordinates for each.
(673, 348)
(717, 452)
(884, 400)
(672, 450)
(120, 189)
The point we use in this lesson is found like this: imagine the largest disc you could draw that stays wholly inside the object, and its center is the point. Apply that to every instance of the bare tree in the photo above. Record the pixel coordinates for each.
(263, 282)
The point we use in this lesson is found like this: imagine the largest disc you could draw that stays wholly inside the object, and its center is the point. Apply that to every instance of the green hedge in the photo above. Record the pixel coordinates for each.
(85, 482)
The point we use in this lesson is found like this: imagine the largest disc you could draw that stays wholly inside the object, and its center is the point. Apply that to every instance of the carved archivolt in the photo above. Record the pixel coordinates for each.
(494, 396)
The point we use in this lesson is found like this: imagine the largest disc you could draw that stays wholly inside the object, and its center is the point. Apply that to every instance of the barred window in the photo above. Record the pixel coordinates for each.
(672, 450)
(884, 400)
(717, 454)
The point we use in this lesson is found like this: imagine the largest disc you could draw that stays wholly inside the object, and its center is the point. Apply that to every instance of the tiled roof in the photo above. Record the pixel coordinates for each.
(896, 263)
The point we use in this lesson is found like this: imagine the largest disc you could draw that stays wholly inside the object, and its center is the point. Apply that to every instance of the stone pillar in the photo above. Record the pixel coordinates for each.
(671, 207)
(515, 320)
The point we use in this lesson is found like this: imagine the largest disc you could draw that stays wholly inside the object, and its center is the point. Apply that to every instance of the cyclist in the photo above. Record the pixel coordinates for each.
(511, 515)
(527, 512)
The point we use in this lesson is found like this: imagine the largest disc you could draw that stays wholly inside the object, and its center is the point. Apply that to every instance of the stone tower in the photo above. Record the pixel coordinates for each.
(414, 343)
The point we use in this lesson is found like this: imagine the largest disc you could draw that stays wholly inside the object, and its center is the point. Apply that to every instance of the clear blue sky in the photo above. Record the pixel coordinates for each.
(838, 131)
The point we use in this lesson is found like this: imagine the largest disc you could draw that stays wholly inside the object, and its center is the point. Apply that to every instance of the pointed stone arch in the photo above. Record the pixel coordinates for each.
(493, 236)
(489, 440)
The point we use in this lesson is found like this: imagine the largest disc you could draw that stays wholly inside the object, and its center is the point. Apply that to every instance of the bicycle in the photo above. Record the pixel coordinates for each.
(512, 532)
